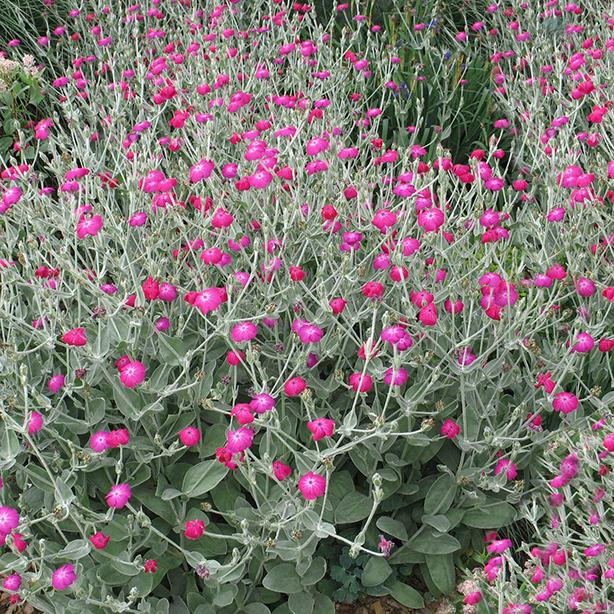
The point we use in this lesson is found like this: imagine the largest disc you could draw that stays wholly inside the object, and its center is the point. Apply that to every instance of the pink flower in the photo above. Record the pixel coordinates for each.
(10, 197)
(503, 464)
(294, 386)
(226, 457)
(99, 441)
(395, 378)
(311, 486)
(75, 336)
(310, 333)
(499, 546)
(63, 577)
(9, 519)
(594, 550)
(208, 299)
(361, 382)
(242, 413)
(88, 226)
(118, 437)
(194, 529)
(565, 402)
(385, 546)
(150, 566)
(453, 307)
(167, 292)
(18, 542)
(189, 436)
(585, 287)
(430, 219)
(150, 289)
(138, 219)
(449, 429)
(201, 170)
(12, 582)
(162, 324)
(35, 423)
(337, 305)
(473, 598)
(281, 471)
(240, 440)
(608, 442)
(262, 403)
(244, 331)
(234, 358)
(384, 219)
(221, 218)
(428, 315)
(372, 289)
(132, 374)
(321, 427)
(545, 380)
(118, 496)
(260, 179)
(99, 540)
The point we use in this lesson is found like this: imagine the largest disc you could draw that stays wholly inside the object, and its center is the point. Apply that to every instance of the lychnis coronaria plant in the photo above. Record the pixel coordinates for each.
(238, 324)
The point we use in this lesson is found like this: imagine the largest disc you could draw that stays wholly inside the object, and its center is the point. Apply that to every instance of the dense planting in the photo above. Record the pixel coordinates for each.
(278, 331)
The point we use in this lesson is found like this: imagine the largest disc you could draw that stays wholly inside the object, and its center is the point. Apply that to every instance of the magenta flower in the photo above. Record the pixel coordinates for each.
(594, 550)
(310, 333)
(504, 464)
(12, 583)
(449, 429)
(9, 519)
(35, 423)
(162, 324)
(221, 218)
(240, 440)
(118, 496)
(189, 436)
(499, 546)
(201, 170)
(395, 378)
(138, 219)
(99, 441)
(311, 486)
(260, 179)
(294, 386)
(430, 220)
(75, 337)
(385, 546)
(55, 383)
(321, 427)
(473, 598)
(244, 331)
(281, 471)
(88, 226)
(262, 403)
(132, 374)
(242, 413)
(208, 299)
(361, 382)
(194, 529)
(565, 402)
(585, 287)
(150, 288)
(63, 577)
(10, 197)
(99, 540)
